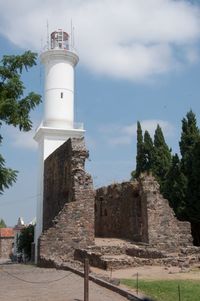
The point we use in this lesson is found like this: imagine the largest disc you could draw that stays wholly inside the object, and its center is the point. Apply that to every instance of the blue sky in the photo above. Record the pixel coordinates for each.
(139, 60)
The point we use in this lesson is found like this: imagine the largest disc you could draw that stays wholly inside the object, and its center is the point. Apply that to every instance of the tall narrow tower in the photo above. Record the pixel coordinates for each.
(58, 123)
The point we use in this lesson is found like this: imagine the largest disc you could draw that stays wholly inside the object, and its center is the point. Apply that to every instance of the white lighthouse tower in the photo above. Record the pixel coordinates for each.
(58, 124)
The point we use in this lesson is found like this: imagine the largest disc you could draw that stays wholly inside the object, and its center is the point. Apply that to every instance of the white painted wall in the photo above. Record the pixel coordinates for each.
(59, 87)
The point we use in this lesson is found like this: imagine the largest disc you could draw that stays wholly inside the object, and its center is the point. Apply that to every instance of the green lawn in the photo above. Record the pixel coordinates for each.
(167, 290)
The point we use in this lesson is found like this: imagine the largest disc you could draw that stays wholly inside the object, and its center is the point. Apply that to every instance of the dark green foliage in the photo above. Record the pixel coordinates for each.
(162, 157)
(189, 136)
(25, 240)
(140, 158)
(175, 186)
(193, 204)
(133, 175)
(179, 179)
(7, 175)
(145, 153)
(152, 157)
(14, 106)
(148, 151)
(192, 210)
(190, 151)
(2, 224)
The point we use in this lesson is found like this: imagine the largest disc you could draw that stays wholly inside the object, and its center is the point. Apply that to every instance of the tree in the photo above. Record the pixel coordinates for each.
(154, 157)
(140, 158)
(192, 208)
(174, 188)
(2, 224)
(148, 151)
(189, 137)
(178, 178)
(25, 240)
(162, 157)
(14, 106)
(7, 175)
(189, 148)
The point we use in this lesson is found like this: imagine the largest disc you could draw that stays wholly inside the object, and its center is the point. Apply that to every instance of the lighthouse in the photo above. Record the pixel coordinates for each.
(58, 124)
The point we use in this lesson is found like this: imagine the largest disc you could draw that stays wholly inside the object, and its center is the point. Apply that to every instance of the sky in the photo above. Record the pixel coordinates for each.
(139, 60)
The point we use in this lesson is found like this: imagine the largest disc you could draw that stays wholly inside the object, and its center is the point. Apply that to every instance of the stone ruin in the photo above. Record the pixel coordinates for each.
(138, 212)
(68, 203)
(121, 225)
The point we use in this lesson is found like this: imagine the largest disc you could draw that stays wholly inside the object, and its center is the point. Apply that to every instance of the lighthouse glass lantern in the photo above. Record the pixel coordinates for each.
(59, 40)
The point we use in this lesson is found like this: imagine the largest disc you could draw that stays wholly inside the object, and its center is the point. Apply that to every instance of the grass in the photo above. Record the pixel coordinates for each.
(167, 290)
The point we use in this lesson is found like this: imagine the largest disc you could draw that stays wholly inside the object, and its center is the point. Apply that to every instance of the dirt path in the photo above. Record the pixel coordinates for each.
(153, 273)
(68, 288)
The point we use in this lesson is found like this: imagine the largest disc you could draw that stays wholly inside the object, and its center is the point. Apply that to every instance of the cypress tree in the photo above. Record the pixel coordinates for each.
(162, 157)
(175, 185)
(193, 194)
(189, 148)
(148, 151)
(140, 158)
(189, 136)
(2, 223)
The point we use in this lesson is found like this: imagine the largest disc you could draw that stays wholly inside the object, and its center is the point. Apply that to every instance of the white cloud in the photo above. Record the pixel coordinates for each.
(150, 126)
(124, 135)
(130, 39)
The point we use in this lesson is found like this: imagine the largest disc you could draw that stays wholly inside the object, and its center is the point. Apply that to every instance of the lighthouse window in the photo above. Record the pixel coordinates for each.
(61, 95)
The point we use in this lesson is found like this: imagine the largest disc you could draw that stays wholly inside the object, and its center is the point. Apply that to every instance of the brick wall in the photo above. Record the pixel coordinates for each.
(68, 202)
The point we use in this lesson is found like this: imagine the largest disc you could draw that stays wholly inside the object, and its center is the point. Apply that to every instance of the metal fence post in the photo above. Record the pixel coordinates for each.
(179, 292)
(137, 282)
(86, 280)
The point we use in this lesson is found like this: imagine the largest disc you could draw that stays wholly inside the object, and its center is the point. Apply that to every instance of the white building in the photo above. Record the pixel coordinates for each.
(58, 124)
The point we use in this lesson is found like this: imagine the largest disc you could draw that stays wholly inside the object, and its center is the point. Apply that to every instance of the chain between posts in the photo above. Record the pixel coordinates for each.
(35, 282)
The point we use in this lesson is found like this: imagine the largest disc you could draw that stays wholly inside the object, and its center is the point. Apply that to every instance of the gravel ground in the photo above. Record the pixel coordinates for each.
(153, 273)
(49, 284)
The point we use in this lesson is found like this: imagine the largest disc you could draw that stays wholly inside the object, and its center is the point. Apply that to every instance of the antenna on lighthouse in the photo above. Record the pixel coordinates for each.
(72, 42)
(47, 35)
(40, 69)
(41, 44)
(73, 30)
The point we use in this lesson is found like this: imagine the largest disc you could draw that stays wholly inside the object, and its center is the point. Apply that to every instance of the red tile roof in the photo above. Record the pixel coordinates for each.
(6, 232)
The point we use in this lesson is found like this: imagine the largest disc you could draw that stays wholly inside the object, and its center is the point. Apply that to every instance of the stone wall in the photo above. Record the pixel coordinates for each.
(165, 231)
(137, 211)
(118, 212)
(6, 241)
(68, 202)
(6, 246)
